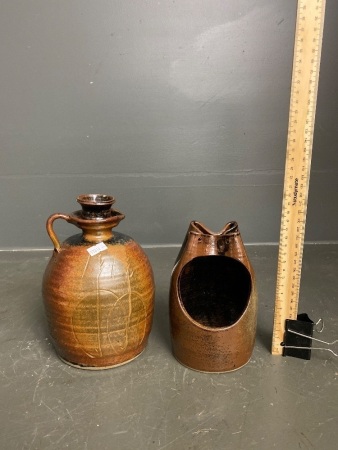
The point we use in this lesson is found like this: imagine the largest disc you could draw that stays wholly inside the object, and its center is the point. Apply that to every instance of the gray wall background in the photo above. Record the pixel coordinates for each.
(177, 108)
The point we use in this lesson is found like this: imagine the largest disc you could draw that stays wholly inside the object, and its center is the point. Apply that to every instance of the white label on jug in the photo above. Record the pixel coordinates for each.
(97, 249)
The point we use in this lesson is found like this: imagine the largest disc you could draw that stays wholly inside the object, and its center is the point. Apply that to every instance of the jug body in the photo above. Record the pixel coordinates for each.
(213, 301)
(98, 289)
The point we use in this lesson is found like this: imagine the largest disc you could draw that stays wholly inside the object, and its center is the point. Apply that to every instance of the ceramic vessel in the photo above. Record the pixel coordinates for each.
(213, 300)
(98, 289)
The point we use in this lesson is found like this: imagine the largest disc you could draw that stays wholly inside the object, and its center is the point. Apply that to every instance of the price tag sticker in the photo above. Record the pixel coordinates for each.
(95, 249)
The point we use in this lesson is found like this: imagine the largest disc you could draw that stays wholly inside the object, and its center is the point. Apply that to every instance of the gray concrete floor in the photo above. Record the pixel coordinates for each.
(154, 402)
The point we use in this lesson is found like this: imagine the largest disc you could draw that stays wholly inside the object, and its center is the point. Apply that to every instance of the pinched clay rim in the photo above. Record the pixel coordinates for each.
(230, 229)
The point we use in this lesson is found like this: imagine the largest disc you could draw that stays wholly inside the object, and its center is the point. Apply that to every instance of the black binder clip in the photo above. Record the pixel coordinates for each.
(298, 337)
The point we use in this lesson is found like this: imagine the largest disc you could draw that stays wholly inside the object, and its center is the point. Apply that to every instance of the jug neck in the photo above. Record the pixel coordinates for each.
(96, 234)
(97, 218)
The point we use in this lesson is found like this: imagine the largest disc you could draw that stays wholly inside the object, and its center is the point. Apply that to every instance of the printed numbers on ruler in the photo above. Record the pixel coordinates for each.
(304, 87)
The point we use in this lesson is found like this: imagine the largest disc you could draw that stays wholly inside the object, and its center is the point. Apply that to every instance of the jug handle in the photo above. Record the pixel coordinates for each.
(50, 230)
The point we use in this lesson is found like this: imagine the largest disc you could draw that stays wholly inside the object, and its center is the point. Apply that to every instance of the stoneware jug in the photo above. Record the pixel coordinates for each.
(98, 289)
(213, 301)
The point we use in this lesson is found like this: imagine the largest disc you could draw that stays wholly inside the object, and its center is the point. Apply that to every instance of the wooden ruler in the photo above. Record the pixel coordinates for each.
(304, 87)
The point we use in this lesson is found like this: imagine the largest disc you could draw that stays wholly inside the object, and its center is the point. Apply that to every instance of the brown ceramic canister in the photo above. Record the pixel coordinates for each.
(98, 289)
(213, 301)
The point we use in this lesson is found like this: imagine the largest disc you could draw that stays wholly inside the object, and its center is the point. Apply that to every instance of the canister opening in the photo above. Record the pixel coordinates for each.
(215, 290)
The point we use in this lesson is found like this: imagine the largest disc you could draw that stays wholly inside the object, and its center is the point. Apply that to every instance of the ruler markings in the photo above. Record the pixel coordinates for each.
(304, 87)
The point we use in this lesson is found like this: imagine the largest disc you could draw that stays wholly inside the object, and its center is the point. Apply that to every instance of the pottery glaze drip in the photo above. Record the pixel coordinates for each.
(99, 306)
(213, 300)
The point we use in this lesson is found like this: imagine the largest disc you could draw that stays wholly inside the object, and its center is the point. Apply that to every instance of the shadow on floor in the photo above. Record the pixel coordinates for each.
(264, 337)
(161, 330)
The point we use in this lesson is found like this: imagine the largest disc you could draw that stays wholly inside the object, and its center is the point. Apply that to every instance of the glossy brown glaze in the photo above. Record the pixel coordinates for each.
(99, 308)
(213, 301)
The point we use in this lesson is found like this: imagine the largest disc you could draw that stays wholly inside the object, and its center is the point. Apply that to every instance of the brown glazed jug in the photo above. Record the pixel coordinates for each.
(98, 289)
(213, 301)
